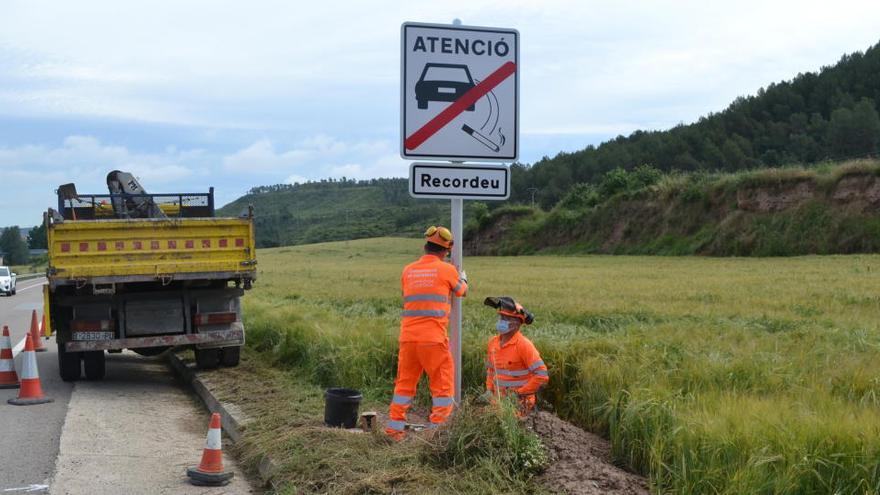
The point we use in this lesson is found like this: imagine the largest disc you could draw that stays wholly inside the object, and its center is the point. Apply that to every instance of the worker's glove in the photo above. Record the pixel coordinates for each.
(463, 276)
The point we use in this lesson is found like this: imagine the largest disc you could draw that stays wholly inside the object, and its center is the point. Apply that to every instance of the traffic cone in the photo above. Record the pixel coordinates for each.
(210, 471)
(8, 376)
(31, 391)
(35, 333)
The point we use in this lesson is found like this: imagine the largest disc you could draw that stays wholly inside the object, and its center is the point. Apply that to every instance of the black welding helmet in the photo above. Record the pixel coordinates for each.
(507, 306)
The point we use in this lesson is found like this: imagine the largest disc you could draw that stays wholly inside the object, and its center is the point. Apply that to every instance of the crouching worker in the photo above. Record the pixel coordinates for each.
(513, 365)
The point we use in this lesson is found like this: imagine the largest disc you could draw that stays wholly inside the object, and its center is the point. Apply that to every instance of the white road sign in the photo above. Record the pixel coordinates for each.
(459, 92)
(483, 181)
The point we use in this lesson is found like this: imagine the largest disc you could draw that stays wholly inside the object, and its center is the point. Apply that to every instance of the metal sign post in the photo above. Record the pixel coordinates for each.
(459, 100)
(457, 205)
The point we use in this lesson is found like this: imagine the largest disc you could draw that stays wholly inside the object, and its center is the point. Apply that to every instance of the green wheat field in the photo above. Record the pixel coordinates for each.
(708, 375)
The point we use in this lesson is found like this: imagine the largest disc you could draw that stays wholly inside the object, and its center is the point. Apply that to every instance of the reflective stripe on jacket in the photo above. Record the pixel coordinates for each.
(516, 366)
(428, 287)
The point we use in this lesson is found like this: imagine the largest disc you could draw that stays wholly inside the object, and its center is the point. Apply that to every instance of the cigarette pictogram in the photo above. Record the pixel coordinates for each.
(480, 138)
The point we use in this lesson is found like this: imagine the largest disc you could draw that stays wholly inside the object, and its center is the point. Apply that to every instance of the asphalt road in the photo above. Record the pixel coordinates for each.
(134, 432)
(29, 435)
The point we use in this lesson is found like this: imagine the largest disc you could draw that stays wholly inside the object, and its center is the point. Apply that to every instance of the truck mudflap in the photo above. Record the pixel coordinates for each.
(232, 336)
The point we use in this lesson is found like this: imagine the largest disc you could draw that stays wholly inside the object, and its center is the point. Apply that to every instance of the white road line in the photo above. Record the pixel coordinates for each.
(28, 489)
(18, 347)
(29, 287)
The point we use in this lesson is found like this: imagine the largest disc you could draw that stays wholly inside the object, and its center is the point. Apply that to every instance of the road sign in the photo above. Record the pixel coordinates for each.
(459, 93)
(483, 181)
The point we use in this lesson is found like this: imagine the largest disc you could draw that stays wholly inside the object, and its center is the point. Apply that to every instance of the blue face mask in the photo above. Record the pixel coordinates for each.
(502, 326)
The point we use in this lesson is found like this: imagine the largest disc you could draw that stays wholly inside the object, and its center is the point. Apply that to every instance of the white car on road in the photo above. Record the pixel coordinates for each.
(7, 281)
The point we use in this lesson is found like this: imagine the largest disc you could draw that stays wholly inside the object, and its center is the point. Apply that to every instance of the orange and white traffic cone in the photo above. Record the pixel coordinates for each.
(35, 333)
(210, 471)
(31, 391)
(8, 376)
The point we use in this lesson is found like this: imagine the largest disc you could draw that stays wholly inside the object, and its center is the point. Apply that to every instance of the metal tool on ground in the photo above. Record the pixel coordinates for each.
(8, 376)
(35, 333)
(210, 470)
(31, 391)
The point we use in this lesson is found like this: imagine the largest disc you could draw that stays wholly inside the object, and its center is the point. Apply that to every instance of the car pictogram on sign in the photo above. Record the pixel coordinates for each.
(443, 82)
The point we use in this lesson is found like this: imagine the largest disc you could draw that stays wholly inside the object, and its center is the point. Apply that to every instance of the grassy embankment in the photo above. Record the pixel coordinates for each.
(37, 264)
(484, 452)
(823, 209)
(709, 375)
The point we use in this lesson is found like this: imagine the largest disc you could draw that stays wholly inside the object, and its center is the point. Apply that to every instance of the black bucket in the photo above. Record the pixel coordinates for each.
(341, 407)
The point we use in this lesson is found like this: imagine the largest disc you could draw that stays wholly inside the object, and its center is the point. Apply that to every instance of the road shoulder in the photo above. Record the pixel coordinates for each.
(134, 432)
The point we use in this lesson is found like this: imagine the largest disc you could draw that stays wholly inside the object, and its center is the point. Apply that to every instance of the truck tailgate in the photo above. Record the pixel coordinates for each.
(150, 249)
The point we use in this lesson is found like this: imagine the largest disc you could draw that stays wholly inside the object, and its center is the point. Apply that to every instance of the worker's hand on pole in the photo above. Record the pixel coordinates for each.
(464, 276)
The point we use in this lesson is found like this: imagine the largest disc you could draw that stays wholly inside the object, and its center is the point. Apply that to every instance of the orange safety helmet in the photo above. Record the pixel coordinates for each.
(507, 306)
(440, 236)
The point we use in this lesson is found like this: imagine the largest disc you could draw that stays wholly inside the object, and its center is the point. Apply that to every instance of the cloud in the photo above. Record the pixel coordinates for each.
(261, 157)
(295, 179)
(318, 156)
(32, 172)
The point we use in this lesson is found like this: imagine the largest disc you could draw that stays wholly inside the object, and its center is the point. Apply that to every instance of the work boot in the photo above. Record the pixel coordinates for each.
(394, 435)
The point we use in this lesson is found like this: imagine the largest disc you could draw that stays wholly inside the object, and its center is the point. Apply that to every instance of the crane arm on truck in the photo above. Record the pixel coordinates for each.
(129, 198)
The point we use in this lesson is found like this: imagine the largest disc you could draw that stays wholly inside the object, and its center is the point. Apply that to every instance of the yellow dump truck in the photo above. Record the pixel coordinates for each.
(146, 272)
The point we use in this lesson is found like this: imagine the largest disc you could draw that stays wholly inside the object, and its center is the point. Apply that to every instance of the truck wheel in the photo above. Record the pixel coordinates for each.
(69, 365)
(207, 359)
(229, 356)
(94, 364)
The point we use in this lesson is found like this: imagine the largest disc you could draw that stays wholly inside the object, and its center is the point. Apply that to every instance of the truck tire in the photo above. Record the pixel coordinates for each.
(230, 356)
(69, 365)
(94, 364)
(207, 359)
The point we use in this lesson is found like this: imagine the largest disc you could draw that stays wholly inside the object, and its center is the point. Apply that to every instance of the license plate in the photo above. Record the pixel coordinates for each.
(446, 90)
(92, 335)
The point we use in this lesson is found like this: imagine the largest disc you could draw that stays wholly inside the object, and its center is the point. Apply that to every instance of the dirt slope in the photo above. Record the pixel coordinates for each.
(580, 462)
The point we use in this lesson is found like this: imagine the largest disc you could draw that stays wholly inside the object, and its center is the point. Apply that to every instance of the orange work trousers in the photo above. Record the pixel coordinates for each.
(414, 359)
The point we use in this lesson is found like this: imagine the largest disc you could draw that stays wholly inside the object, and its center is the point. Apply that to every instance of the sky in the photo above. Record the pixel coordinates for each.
(193, 94)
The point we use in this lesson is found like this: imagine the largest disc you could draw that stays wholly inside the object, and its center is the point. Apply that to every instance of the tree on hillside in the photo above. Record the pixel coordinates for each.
(36, 238)
(855, 131)
(13, 246)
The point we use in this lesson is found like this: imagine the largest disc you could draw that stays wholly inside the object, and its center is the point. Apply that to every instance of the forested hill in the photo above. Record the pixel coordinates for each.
(827, 115)
(333, 210)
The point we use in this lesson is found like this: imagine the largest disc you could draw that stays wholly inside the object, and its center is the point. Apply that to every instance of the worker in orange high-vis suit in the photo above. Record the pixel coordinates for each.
(513, 364)
(428, 287)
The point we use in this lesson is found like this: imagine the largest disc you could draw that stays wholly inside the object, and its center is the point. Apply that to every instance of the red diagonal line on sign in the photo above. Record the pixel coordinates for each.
(459, 105)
